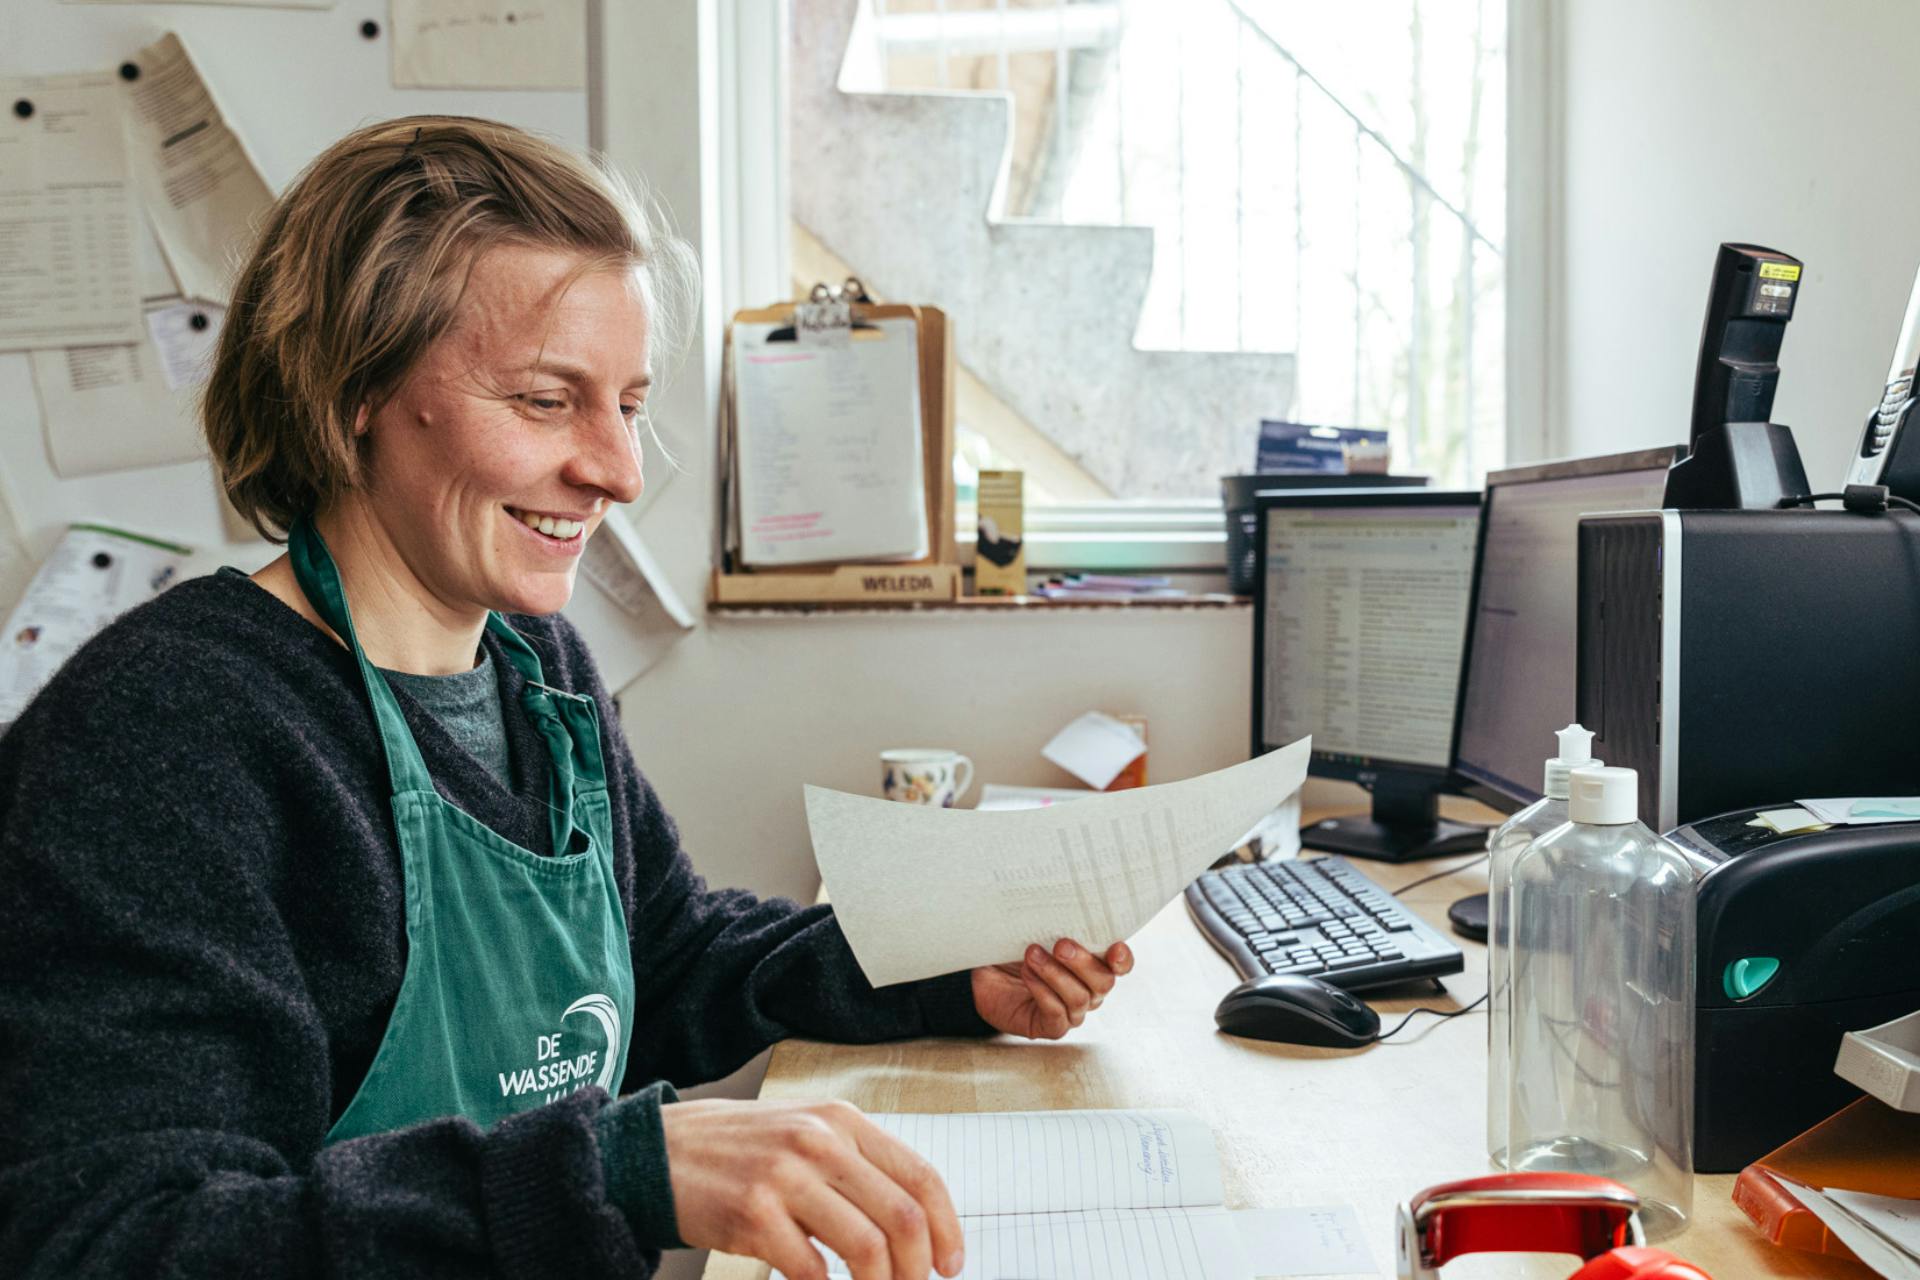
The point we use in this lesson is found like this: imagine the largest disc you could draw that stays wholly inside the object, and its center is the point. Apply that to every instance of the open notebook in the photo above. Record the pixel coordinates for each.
(1080, 1195)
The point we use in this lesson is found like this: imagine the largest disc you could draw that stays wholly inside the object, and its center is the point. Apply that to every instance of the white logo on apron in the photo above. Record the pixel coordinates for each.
(608, 1014)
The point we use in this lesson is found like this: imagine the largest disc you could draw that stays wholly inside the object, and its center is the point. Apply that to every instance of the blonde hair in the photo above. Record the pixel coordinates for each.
(360, 266)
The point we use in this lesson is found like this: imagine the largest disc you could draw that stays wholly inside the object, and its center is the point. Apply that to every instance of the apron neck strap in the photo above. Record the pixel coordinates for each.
(319, 578)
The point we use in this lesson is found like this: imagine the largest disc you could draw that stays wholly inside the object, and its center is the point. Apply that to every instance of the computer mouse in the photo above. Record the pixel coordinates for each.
(1294, 1009)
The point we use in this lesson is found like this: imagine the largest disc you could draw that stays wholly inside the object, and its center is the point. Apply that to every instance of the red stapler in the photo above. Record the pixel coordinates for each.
(1596, 1219)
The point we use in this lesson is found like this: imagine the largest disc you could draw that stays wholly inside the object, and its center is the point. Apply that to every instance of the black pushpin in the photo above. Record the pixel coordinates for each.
(102, 560)
(370, 29)
(198, 320)
(23, 109)
(511, 18)
(129, 71)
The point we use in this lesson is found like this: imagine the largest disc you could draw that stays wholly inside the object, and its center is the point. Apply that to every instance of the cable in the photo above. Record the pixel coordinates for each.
(1440, 875)
(1438, 1013)
(1868, 499)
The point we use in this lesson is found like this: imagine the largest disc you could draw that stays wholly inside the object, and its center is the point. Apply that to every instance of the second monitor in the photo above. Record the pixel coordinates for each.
(1360, 619)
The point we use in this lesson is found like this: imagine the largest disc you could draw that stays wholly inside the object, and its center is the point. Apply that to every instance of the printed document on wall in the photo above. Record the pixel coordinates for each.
(921, 891)
(68, 271)
(230, 4)
(201, 188)
(112, 408)
(93, 575)
(827, 446)
(489, 44)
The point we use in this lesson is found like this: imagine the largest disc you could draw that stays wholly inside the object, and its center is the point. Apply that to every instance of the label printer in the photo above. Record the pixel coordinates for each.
(1802, 938)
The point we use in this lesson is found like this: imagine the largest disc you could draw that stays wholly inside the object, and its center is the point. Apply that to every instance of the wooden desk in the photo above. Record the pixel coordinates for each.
(1294, 1125)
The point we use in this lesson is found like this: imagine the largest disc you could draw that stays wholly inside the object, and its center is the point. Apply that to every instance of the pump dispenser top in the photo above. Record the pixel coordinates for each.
(1576, 751)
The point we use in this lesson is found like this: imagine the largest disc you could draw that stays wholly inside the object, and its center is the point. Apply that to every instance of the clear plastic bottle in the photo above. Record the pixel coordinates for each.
(1506, 846)
(1601, 1065)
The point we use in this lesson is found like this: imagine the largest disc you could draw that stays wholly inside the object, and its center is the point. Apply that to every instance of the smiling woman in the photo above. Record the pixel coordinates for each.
(341, 934)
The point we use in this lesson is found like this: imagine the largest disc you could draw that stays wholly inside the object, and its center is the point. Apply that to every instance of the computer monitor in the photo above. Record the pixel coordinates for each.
(1521, 651)
(1360, 620)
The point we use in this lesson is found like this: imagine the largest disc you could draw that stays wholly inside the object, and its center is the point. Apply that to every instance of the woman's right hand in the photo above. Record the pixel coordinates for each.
(758, 1178)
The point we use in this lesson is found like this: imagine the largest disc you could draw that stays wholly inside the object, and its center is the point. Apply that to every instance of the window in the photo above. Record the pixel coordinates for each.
(1325, 185)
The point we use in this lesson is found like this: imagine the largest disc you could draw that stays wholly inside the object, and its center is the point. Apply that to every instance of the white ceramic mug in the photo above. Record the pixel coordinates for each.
(925, 775)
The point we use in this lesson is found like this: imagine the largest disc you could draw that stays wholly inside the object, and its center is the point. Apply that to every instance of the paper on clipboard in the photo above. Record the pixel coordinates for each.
(201, 189)
(827, 454)
(921, 891)
(112, 408)
(68, 271)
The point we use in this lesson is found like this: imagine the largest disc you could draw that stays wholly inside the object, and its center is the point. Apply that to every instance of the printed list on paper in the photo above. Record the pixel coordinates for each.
(921, 891)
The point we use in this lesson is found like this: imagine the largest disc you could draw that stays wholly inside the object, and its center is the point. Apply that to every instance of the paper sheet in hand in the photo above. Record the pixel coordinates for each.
(921, 891)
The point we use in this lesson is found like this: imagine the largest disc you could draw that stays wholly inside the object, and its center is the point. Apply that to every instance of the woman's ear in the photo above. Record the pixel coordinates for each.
(360, 418)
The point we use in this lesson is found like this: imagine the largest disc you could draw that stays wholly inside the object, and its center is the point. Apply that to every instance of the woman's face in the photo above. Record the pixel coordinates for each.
(527, 409)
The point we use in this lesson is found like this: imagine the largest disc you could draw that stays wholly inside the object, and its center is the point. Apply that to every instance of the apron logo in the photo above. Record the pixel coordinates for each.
(556, 1076)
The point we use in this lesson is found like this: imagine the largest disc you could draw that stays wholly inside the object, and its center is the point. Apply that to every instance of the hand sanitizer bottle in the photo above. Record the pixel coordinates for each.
(1507, 844)
(1601, 985)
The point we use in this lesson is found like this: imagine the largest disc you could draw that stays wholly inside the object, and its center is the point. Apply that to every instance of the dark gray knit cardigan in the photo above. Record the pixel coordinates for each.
(202, 936)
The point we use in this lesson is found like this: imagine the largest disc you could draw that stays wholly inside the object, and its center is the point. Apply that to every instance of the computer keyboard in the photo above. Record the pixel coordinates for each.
(1318, 917)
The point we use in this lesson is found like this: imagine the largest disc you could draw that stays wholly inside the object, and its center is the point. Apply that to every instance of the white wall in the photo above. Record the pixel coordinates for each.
(731, 724)
(1777, 122)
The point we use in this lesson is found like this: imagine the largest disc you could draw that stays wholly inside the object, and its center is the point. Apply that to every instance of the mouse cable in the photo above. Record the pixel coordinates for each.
(1441, 875)
(1438, 1013)
(1863, 498)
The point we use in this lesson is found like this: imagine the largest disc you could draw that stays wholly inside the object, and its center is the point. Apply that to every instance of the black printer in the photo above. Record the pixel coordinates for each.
(1801, 938)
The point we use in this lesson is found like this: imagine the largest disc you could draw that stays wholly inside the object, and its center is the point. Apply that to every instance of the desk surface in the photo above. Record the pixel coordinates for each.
(1294, 1125)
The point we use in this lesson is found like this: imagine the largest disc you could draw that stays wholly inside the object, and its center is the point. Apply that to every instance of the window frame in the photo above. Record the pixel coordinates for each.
(756, 204)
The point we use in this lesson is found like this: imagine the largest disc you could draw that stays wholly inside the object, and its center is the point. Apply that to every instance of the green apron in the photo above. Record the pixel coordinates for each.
(519, 981)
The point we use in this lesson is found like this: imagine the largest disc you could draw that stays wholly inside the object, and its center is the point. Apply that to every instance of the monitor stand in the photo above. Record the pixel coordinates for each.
(1405, 826)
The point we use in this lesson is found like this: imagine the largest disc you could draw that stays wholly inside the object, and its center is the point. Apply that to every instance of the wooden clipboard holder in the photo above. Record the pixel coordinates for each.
(935, 577)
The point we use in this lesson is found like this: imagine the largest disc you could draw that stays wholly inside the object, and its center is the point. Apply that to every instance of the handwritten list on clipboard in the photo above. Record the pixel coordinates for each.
(828, 446)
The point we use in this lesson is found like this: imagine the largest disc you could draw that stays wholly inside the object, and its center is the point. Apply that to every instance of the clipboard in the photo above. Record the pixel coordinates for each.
(933, 577)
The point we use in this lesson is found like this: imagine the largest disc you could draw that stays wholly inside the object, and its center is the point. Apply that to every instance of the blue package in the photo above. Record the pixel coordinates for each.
(1297, 448)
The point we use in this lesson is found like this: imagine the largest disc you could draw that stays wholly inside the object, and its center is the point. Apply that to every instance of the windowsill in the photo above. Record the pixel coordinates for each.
(1207, 602)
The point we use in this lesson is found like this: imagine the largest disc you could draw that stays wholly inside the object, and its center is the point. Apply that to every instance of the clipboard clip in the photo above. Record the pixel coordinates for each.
(826, 317)
(1596, 1219)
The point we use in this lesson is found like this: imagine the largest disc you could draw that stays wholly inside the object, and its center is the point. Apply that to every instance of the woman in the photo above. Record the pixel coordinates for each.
(336, 910)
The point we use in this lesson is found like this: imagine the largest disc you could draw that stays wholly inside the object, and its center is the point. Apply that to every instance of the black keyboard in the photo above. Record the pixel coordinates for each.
(1318, 917)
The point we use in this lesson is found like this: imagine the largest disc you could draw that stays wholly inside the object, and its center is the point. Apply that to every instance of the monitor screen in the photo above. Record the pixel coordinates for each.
(1520, 673)
(1363, 612)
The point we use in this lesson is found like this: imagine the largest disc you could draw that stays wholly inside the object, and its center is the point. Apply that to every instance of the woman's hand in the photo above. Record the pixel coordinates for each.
(758, 1178)
(1049, 993)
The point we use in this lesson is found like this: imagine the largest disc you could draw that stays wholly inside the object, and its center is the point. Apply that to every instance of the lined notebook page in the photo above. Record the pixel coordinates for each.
(1060, 1161)
(1100, 1244)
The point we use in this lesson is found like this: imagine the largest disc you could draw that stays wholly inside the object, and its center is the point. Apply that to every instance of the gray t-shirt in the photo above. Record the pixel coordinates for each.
(467, 705)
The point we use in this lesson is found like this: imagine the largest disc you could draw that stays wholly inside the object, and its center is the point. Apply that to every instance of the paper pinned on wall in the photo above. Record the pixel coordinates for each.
(94, 574)
(231, 4)
(68, 271)
(183, 335)
(921, 891)
(489, 44)
(200, 187)
(112, 408)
